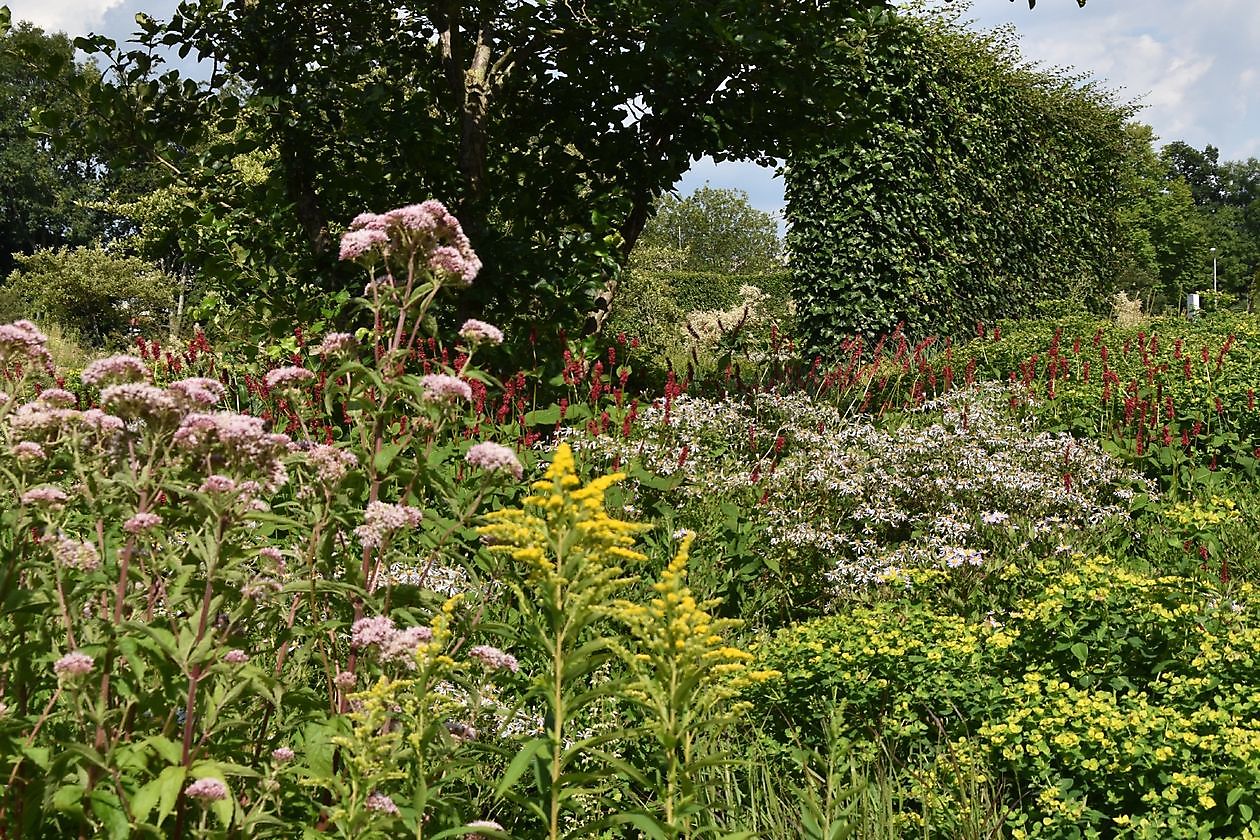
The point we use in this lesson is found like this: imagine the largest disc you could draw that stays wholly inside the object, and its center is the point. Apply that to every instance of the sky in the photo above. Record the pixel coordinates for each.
(1193, 64)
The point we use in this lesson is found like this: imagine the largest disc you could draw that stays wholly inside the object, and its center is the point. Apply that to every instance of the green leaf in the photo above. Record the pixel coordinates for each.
(543, 417)
(170, 783)
(1080, 651)
(649, 825)
(520, 764)
(386, 456)
(145, 799)
(70, 798)
(107, 809)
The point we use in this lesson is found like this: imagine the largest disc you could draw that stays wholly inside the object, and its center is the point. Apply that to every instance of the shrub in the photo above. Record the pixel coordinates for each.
(673, 315)
(970, 186)
(92, 292)
(1107, 700)
(221, 629)
(837, 502)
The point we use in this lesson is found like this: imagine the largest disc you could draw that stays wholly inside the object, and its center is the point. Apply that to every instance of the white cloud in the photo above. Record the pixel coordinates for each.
(1189, 62)
(74, 17)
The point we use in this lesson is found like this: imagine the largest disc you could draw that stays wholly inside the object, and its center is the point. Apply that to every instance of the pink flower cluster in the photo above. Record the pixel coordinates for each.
(29, 450)
(236, 657)
(22, 341)
(331, 464)
(287, 377)
(381, 804)
(479, 332)
(53, 498)
(197, 392)
(381, 519)
(495, 659)
(491, 456)
(427, 228)
(138, 400)
(56, 398)
(37, 419)
(237, 440)
(76, 554)
(336, 343)
(440, 387)
(142, 522)
(207, 790)
(115, 369)
(74, 664)
(217, 484)
(282, 755)
(391, 643)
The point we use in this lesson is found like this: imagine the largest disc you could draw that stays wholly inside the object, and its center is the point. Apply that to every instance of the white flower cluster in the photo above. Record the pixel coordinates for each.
(937, 490)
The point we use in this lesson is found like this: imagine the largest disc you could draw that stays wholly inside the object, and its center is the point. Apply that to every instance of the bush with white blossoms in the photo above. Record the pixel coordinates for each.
(841, 501)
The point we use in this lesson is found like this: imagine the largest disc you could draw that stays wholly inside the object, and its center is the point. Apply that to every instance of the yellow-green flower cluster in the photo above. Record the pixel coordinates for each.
(683, 658)
(563, 532)
(1204, 514)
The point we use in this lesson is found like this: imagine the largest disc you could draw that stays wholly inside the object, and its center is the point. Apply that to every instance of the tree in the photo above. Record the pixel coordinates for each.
(45, 191)
(1162, 233)
(552, 127)
(716, 230)
(1201, 170)
(1227, 196)
(98, 295)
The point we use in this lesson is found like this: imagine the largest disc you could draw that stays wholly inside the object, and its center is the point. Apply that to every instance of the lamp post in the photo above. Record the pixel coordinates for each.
(1215, 304)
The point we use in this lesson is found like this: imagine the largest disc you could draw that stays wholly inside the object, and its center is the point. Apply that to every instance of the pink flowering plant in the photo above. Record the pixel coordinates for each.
(189, 593)
(335, 615)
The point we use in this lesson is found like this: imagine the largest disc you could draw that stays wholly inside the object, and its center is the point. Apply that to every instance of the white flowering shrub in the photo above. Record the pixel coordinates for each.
(840, 501)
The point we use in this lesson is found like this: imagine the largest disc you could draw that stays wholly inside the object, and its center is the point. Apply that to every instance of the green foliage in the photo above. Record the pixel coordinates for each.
(966, 187)
(92, 292)
(551, 128)
(1110, 700)
(1164, 236)
(1176, 398)
(716, 230)
(1227, 196)
(45, 191)
(657, 307)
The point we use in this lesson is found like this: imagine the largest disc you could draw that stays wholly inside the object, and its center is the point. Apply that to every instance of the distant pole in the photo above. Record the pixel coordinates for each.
(1215, 303)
